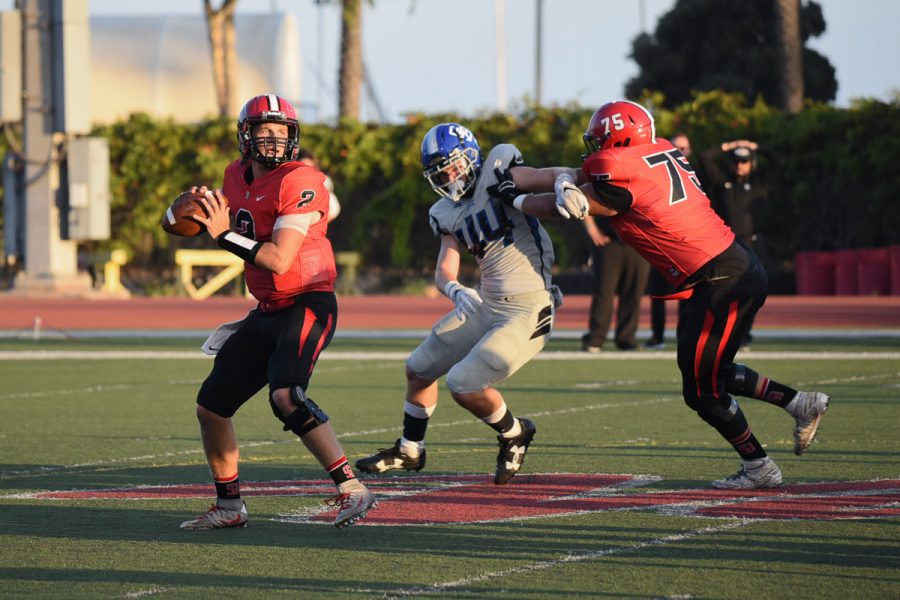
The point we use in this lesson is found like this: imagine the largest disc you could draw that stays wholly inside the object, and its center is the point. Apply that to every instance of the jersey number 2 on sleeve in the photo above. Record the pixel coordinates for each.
(677, 166)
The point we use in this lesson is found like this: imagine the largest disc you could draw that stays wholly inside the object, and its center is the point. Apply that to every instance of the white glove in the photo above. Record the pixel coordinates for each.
(557, 296)
(465, 298)
(570, 201)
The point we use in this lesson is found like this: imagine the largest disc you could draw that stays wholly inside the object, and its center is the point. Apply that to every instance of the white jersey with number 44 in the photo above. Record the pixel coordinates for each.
(513, 250)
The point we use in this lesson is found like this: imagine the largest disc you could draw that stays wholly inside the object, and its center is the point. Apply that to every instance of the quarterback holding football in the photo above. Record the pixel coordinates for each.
(279, 206)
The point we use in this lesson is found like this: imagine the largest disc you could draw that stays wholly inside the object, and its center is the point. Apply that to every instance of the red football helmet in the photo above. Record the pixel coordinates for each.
(619, 124)
(268, 108)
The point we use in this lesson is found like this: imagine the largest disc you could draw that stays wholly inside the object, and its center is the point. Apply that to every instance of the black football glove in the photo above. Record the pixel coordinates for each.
(505, 189)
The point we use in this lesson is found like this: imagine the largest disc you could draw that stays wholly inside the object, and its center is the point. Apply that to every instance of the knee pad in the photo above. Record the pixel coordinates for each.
(725, 412)
(737, 375)
(306, 417)
(714, 412)
(742, 380)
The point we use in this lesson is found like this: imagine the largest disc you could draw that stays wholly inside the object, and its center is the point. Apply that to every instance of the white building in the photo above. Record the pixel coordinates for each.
(161, 65)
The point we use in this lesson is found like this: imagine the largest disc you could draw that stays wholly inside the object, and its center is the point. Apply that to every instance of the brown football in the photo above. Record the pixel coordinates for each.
(176, 220)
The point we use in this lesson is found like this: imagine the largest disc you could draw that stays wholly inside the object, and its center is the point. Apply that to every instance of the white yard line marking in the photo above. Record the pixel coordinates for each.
(852, 379)
(193, 382)
(459, 584)
(150, 592)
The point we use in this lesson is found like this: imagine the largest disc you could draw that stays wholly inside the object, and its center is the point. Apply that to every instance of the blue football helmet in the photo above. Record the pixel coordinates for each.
(451, 160)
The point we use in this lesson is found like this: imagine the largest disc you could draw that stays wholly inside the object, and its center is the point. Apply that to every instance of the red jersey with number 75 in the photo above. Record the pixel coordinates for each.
(670, 221)
(293, 195)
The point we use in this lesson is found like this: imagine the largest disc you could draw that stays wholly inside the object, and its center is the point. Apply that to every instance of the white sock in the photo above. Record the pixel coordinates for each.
(350, 485)
(419, 412)
(410, 448)
(515, 431)
(498, 415)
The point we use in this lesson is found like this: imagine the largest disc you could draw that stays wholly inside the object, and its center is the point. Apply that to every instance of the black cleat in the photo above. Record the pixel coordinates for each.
(388, 459)
(512, 452)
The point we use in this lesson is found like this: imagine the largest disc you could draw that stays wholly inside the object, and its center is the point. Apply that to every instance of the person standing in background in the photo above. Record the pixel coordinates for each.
(619, 271)
(738, 193)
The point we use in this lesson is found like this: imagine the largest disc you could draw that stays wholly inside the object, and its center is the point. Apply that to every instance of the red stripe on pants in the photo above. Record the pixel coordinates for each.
(729, 327)
(698, 352)
(321, 343)
(309, 318)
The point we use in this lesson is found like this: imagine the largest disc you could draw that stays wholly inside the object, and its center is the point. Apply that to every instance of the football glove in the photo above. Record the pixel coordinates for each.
(505, 189)
(570, 201)
(465, 298)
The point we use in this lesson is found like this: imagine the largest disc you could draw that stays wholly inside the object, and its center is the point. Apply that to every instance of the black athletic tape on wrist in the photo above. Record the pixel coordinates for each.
(239, 245)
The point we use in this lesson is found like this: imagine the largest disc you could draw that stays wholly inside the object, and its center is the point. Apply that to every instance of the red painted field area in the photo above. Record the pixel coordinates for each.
(409, 312)
(473, 498)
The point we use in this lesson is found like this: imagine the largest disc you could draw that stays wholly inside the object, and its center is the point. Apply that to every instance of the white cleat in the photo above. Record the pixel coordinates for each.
(807, 414)
(764, 475)
(218, 517)
(353, 505)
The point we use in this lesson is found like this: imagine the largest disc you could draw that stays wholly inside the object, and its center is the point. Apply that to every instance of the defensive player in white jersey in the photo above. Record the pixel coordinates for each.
(494, 329)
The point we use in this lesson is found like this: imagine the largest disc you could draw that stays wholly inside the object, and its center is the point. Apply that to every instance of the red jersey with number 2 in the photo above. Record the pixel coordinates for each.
(670, 222)
(292, 188)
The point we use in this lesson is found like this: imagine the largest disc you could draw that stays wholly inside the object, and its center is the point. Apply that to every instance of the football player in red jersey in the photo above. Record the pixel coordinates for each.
(656, 204)
(280, 211)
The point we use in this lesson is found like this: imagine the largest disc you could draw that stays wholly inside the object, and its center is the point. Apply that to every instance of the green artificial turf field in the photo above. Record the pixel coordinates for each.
(102, 461)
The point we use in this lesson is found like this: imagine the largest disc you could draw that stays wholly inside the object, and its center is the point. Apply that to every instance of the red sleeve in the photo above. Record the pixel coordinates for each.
(601, 166)
(609, 179)
(303, 191)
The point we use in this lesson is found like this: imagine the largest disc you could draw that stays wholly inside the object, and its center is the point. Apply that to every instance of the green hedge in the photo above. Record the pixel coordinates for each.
(837, 187)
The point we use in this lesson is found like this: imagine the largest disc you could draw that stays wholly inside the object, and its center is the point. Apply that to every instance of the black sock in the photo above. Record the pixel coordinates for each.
(744, 381)
(340, 471)
(506, 422)
(414, 428)
(738, 433)
(747, 445)
(228, 488)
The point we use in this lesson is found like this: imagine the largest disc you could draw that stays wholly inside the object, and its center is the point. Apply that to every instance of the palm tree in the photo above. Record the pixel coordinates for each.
(790, 49)
(220, 24)
(351, 74)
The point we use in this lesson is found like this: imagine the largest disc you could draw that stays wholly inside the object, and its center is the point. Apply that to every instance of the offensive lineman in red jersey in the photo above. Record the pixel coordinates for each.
(656, 204)
(280, 210)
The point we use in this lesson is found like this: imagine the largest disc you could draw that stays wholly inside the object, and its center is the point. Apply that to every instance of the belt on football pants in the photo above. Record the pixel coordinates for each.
(269, 306)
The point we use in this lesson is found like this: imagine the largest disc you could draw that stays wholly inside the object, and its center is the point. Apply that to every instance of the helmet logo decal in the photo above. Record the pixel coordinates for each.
(617, 122)
(461, 132)
(451, 160)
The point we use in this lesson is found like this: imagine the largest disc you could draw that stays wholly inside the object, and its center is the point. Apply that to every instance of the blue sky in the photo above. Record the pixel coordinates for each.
(436, 56)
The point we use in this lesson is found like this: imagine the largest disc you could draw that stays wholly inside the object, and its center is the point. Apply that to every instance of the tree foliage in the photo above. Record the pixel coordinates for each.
(703, 45)
(837, 187)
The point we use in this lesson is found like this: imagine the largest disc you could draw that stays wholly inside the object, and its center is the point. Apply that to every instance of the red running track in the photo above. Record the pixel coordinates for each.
(410, 312)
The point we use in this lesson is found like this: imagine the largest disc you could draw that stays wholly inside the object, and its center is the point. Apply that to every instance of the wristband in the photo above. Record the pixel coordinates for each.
(519, 201)
(451, 287)
(239, 245)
